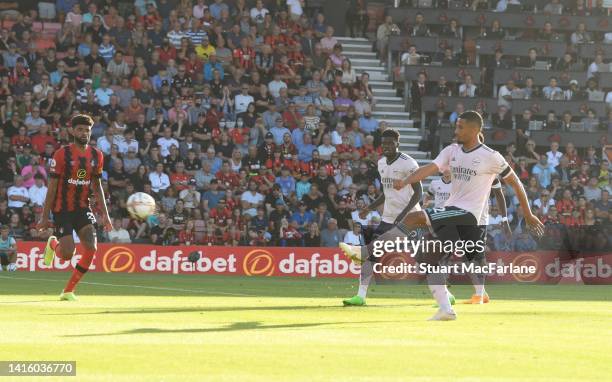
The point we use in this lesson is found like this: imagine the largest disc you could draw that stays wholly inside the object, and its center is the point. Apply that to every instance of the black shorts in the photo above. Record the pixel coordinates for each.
(456, 224)
(4, 258)
(66, 222)
(382, 228)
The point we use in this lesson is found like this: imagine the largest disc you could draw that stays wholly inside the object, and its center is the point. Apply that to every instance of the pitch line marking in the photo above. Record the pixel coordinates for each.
(138, 287)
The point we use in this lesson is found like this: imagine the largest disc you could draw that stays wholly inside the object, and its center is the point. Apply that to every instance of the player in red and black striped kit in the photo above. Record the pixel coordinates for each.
(74, 175)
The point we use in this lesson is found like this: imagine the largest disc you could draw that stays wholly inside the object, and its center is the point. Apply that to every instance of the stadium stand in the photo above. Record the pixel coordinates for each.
(267, 123)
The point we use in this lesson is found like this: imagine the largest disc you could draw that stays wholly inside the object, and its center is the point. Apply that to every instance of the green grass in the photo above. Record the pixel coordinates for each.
(195, 328)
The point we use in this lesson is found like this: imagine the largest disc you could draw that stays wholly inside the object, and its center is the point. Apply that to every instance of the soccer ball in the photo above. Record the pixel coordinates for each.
(141, 205)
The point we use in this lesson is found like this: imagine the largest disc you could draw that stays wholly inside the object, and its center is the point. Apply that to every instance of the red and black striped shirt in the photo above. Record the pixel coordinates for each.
(75, 169)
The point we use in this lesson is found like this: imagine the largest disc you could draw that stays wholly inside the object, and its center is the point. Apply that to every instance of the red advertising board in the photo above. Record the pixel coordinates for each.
(243, 261)
(548, 267)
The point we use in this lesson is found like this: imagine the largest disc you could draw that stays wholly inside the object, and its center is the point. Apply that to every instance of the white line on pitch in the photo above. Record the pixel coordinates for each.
(139, 287)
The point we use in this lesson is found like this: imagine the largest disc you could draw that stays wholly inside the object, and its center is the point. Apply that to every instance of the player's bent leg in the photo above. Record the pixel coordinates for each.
(478, 258)
(365, 278)
(407, 228)
(87, 234)
(416, 219)
(65, 248)
(367, 267)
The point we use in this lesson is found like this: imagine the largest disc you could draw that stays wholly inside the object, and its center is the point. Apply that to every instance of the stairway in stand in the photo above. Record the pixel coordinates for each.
(389, 107)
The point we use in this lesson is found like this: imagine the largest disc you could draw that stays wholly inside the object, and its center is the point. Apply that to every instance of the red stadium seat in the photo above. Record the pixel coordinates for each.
(45, 43)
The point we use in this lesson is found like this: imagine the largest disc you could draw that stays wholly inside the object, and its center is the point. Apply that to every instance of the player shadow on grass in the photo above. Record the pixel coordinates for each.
(236, 326)
(227, 309)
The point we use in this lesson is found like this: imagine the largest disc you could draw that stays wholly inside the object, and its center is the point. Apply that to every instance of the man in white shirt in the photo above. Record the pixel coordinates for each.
(190, 196)
(467, 89)
(326, 149)
(105, 142)
(554, 156)
(276, 85)
(367, 220)
(17, 194)
(295, 8)
(242, 100)
(159, 180)
(544, 202)
(259, 12)
(119, 234)
(504, 97)
(251, 199)
(127, 142)
(38, 191)
(166, 141)
(354, 237)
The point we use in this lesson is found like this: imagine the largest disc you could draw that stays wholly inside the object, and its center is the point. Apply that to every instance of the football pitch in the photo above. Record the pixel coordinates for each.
(136, 327)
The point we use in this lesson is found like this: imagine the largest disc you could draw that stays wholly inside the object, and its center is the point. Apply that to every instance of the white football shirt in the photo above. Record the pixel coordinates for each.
(440, 190)
(484, 217)
(472, 175)
(396, 200)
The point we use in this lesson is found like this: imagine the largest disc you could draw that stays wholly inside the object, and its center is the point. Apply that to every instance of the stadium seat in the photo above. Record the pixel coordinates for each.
(45, 43)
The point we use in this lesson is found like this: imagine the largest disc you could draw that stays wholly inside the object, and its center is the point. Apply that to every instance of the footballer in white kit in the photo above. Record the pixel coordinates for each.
(472, 170)
(394, 165)
(440, 189)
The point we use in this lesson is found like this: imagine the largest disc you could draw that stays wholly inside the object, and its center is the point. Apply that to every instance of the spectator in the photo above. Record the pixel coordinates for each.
(467, 88)
(592, 192)
(119, 234)
(543, 171)
(554, 8)
(8, 250)
(354, 236)
(330, 236)
(159, 180)
(18, 195)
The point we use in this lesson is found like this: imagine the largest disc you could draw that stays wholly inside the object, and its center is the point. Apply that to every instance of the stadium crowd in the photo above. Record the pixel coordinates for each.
(243, 119)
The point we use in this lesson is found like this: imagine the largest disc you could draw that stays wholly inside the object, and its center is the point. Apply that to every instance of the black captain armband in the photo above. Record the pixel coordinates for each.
(506, 172)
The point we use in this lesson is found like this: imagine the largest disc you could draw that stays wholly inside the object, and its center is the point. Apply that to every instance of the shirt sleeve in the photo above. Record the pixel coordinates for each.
(443, 159)
(499, 165)
(411, 166)
(57, 165)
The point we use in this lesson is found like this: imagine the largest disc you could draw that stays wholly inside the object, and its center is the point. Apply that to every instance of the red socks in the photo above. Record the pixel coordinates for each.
(81, 268)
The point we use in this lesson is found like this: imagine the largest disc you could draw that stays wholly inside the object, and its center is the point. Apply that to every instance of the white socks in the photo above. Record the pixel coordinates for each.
(479, 289)
(440, 293)
(363, 291)
(367, 271)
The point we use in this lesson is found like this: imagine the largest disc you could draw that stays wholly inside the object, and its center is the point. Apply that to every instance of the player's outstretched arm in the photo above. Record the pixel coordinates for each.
(532, 221)
(99, 192)
(500, 201)
(414, 200)
(417, 176)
